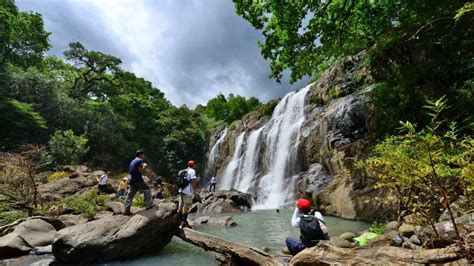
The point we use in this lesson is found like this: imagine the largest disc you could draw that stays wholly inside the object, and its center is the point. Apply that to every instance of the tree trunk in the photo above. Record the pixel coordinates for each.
(240, 254)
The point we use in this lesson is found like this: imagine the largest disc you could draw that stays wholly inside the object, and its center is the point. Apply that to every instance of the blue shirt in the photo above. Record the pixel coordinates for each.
(135, 175)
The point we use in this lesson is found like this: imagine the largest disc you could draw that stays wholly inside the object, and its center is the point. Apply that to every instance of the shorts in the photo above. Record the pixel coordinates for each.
(185, 201)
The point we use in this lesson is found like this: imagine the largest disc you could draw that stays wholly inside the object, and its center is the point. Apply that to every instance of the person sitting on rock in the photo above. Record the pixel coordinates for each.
(103, 183)
(122, 188)
(137, 184)
(186, 194)
(312, 227)
(157, 185)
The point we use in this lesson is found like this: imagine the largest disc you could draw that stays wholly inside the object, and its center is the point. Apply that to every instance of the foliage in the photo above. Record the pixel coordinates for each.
(267, 109)
(7, 217)
(426, 170)
(416, 49)
(317, 100)
(377, 228)
(89, 203)
(67, 148)
(57, 175)
(139, 201)
(229, 109)
(18, 121)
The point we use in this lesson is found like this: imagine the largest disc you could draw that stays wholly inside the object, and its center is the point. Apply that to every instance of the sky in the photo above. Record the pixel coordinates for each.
(189, 49)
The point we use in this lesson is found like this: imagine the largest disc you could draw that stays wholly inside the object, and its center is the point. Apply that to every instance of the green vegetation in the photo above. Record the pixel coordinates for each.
(220, 109)
(267, 109)
(89, 203)
(377, 228)
(86, 108)
(57, 175)
(317, 100)
(416, 50)
(425, 170)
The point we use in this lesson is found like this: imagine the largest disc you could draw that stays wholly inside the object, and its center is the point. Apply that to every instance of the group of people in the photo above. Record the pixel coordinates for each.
(310, 222)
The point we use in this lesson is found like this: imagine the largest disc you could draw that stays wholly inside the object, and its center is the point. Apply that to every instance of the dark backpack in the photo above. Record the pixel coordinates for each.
(182, 179)
(311, 231)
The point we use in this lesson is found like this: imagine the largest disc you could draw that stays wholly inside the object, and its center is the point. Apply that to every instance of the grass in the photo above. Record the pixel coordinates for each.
(57, 175)
(7, 217)
(315, 99)
(377, 227)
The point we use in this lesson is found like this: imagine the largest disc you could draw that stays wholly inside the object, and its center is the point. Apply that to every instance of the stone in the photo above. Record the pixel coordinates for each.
(326, 254)
(340, 242)
(392, 234)
(407, 230)
(222, 221)
(103, 214)
(116, 207)
(415, 240)
(117, 237)
(59, 189)
(314, 180)
(43, 262)
(12, 245)
(73, 219)
(220, 206)
(285, 251)
(459, 207)
(36, 232)
(446, 230)
(349, 236)
(42, 250)
(379, 241)
(391, 226)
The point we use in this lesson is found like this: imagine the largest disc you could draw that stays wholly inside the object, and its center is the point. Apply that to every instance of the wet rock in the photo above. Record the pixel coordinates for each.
(43, 262)
(349, 236)
(35, 232)
(12, 245)
(42, 250)
(392, 234)
(407, 230)
(391, 226)
(117, 237)
(314, 180)
(340, 242)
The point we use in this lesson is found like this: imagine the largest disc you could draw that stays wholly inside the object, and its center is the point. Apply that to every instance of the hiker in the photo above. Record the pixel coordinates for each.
(122, 189)
(186, 194)
(312, 227)
(212, 187)
(159, 189)
(137, 184)
(103, 183)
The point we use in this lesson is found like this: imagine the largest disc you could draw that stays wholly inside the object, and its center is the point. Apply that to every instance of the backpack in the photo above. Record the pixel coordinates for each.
(182, 179)
(311, 231)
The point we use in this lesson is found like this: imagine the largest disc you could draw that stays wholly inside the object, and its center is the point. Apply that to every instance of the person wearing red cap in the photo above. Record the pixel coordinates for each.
(312, 227)
(186, 194)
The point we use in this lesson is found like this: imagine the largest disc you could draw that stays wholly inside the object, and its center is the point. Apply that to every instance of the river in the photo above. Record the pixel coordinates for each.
(262, 228)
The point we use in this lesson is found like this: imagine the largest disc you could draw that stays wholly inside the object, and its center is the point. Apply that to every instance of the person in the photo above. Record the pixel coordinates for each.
(312, 227)
(137, 184)
(122, 188)
(103, 183)
(159, 190)
(212, 187)
(186, 194)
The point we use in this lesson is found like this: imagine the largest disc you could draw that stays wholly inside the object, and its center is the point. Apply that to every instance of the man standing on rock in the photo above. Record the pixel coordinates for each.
(186, 194)
(312, 227)
(212, 187)
(137, 184)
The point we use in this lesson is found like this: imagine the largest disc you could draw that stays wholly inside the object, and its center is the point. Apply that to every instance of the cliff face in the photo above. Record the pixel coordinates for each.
(315, 148)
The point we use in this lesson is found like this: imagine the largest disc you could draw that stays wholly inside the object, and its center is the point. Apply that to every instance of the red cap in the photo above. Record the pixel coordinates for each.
(191, 163)
(304, 205)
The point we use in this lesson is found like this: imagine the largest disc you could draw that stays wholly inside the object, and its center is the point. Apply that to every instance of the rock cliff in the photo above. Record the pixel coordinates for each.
(337, 130)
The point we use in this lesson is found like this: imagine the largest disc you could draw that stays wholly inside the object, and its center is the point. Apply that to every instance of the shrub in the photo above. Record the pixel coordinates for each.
(57, 175)
(67, 148)
(377, 227)
(267, 109)
(138, 201)
(89, 203)
(317, 100)
(335, 92)
(9, 217)
(425, 171)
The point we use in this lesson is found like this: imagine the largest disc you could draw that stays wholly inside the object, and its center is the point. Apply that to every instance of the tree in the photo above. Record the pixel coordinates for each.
(23, 39)
(67, 148)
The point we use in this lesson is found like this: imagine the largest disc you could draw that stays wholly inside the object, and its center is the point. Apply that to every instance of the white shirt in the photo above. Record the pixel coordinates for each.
(295, 220)
(103, 179)
(188, 190)
(213, 180)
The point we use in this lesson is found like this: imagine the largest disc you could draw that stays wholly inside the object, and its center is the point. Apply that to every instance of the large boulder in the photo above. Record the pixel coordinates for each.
(446, 231)
(117, 237)
(73, 219)
(36, 232)
(12, 245)
(225, 201)
(62, 188)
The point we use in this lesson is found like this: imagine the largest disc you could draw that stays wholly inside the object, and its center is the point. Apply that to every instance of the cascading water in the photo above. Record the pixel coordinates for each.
(209, 170)
(279, 168)
(230, 173)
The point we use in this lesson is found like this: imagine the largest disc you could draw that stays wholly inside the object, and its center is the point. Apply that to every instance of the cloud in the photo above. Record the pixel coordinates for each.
(191, 50)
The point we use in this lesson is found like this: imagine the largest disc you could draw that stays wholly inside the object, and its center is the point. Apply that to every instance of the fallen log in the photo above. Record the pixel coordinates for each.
(239, 253)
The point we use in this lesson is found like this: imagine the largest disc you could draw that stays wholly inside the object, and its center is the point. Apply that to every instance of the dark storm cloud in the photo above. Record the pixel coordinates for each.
(191, 50)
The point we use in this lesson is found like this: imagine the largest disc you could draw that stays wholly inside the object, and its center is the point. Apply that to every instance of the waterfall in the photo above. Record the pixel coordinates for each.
(209, 170)
(229, 177)
(279, 169)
